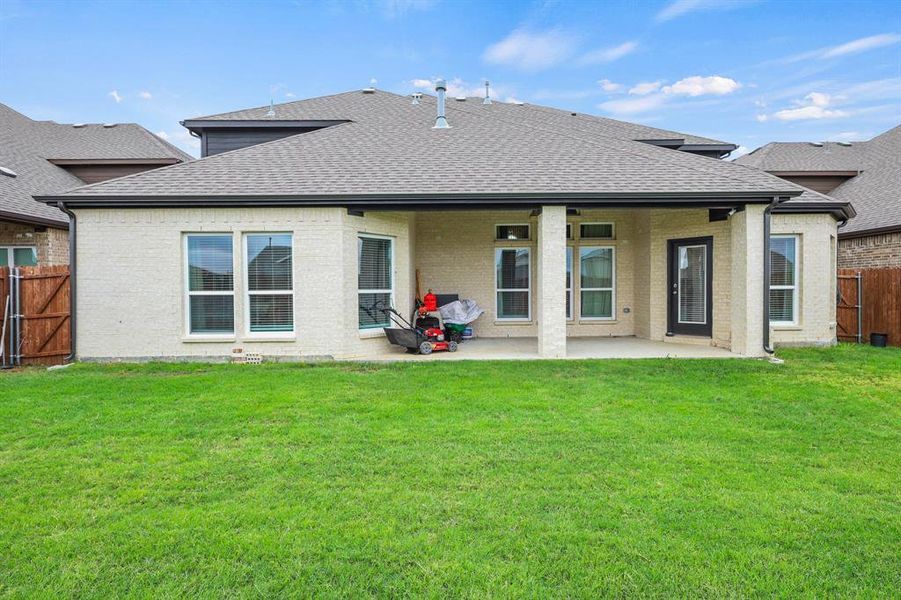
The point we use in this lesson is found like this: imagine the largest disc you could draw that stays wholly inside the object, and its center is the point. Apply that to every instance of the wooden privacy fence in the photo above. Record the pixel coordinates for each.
(869, 301)
(35, 315)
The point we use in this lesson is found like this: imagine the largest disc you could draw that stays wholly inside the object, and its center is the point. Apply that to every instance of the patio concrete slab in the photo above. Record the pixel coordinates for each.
(526, 348)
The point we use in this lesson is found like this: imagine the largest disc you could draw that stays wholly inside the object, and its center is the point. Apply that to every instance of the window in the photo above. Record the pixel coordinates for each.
(210, 284)
(512, 232)
(569, 231)
(596, 231)
(569, 282)
(512, 268)
(597, 282)
(784, 279)
(375, 277)
(18, 256)
(270, 288)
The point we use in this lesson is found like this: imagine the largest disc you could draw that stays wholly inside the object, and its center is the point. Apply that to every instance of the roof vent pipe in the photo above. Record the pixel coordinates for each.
(417, 97)
(487, 99)
(441, 120)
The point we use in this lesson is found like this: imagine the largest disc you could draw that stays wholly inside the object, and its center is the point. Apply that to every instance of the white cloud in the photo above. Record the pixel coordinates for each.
(644, 88)
(115, 96)
(609, 87)
(701, 86)
(459, 87)
(181, 138)
(630, 106)
(290, 95)
(680, 8)
(605, 55)
(145, 95)
(762, 118)
(739, 152)
(531, 51)
(847, 136)
(815, 105)
(848, 48)
(394, 8)
(862, 45)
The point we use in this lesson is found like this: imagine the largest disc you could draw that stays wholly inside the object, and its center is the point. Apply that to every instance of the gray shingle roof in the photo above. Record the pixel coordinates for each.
(348, 106)
(875, 192)
(805, 156)
(26, 146)
(390, 149)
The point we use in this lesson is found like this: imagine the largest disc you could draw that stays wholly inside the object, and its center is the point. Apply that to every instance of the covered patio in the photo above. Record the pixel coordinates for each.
(526, 348)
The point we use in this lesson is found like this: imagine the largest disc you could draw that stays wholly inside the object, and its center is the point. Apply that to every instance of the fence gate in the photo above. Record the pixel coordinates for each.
(36, 313)
(869, 301)
(848, 306)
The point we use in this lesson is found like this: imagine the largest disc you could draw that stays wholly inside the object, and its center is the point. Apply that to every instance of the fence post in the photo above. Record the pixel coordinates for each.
(859, 308)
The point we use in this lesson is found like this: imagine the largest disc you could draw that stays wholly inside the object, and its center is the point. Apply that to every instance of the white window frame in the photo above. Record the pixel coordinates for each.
(187, 287)
(528, 290)
(528, 227)
(611, 289)
(248, 293)
(572, 282)
(391, 273)
(10, 255)
(612, 230)
(795, 277)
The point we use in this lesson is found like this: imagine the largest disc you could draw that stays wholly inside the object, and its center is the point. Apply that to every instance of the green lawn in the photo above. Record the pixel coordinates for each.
(655, 478)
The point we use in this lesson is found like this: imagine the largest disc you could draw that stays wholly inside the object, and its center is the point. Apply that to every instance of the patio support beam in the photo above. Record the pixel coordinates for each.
(747, 280)
(551, 278)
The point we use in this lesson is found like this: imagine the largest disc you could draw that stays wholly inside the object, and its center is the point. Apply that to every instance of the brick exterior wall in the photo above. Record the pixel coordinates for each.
(816, 249)
(134, 307)
(882, 250)
(52, 244)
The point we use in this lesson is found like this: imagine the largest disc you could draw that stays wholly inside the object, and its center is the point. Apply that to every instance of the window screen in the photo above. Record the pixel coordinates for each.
(375, 280)
(597, 231)
(783, 279)
(512, 283)
(270, 290)
(211, 298)
(512, 232)
(596, 270)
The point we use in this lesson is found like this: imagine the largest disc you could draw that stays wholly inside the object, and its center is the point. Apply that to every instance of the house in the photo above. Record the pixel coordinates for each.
(867, 174)
(559, 224)
(43, 157)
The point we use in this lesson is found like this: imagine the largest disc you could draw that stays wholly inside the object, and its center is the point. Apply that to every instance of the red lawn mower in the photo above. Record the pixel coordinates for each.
(422, 340)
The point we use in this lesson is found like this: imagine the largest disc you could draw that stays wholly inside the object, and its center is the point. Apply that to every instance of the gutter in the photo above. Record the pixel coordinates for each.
(72, 279)
(766, 272)
(421, 199)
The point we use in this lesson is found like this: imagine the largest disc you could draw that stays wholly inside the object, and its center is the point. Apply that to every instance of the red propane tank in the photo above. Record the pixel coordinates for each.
(430, 301)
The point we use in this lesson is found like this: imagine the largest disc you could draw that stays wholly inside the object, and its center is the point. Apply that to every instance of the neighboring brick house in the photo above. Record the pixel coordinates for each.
(867, 174)
(43, 157)
(558, 224)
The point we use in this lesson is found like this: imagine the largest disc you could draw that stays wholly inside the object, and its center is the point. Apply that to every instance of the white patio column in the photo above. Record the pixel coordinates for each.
(747, 280)
(550, 287)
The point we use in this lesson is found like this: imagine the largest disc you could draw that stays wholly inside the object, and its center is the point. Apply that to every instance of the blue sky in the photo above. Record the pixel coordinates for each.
(749, 72)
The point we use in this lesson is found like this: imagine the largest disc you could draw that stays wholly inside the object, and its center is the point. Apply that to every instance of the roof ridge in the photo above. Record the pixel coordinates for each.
(344, 93)
(644, 148)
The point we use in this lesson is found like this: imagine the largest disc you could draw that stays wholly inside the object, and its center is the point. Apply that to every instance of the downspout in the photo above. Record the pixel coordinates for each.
(766, 273)
(72, 271)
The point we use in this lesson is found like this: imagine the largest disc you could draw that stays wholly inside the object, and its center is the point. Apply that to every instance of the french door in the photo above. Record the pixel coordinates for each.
(690, 287)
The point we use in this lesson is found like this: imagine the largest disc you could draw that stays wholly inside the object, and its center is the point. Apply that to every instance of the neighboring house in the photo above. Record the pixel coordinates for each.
(867, 174)
(558, 224)
(43, 157)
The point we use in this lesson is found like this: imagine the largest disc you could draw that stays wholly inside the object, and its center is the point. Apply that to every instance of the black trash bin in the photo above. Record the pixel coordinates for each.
(879, 340)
